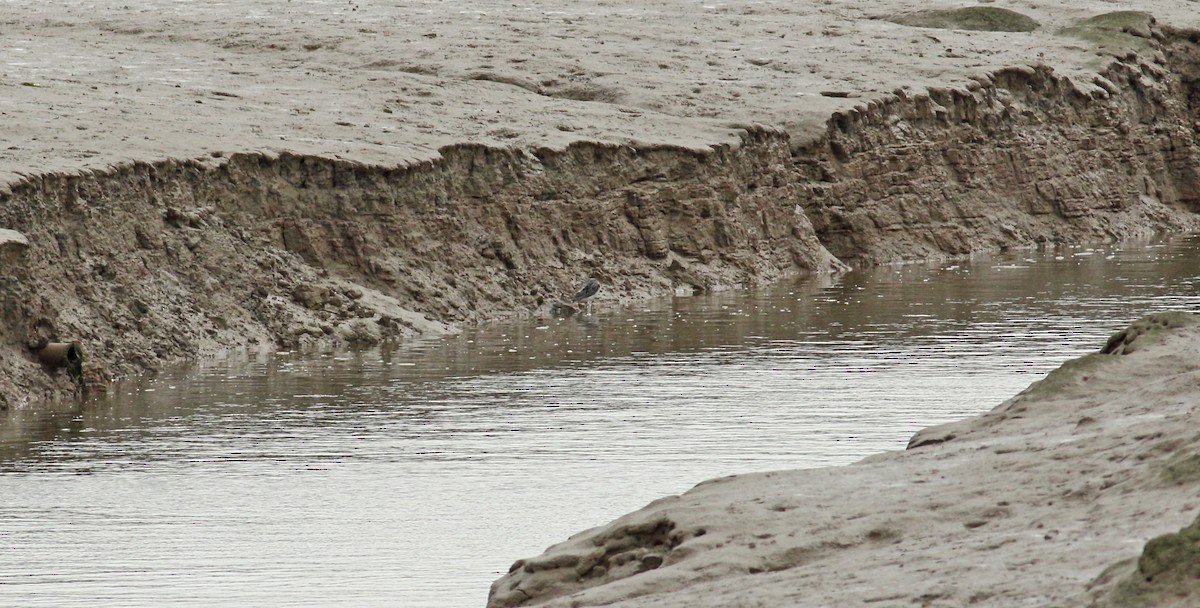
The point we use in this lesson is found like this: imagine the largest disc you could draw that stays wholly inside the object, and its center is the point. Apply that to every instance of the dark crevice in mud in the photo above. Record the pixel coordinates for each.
(147, 263)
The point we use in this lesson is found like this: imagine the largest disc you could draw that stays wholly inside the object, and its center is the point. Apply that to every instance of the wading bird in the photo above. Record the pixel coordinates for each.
(588, 290)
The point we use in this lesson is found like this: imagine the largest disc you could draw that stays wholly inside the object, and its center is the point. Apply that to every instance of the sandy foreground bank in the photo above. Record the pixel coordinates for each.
(1045, 501)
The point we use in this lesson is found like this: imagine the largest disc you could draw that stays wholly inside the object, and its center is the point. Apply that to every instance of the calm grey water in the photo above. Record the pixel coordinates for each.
(415, 477)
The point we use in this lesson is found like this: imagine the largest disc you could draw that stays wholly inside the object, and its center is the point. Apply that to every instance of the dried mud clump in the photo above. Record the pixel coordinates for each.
(585, 91)
(975, 18)
(575, 91)
(1136, 336)
(618, 553)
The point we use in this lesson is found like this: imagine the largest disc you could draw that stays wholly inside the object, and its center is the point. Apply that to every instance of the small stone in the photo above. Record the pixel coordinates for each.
(12, 239)
(310, 296)
(651, 561)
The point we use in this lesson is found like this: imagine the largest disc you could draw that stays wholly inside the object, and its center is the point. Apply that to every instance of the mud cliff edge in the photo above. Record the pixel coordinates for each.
(150, 262)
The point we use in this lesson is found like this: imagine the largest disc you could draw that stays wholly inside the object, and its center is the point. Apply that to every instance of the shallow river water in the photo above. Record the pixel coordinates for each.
(414, 477)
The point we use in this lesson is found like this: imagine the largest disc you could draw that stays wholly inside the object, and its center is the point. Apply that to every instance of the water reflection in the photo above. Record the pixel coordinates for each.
(413, 477)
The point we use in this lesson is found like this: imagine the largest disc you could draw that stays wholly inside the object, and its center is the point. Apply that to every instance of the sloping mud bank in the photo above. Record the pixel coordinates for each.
(154, 262)
(1046, 500)
(146, 263)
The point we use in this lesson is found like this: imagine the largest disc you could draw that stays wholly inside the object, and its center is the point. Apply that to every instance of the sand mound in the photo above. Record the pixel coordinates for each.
(976, 18)
(1133, 22)
(1117, 31)
(1141, 331)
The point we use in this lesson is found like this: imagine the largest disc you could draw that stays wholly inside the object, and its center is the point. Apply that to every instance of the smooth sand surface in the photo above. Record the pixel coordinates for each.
(87, 84)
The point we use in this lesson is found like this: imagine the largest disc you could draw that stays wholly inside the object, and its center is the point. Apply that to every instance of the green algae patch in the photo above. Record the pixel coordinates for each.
(974, 18)
(1117, 32)
(1167, 574)
(1147, 331)
(1073, 373)
(1076, 373)
(1172, 556)
(1135, 22)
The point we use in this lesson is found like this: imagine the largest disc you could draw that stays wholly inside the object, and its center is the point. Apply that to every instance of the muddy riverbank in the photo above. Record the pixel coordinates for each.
(224, 195)
(183, 180)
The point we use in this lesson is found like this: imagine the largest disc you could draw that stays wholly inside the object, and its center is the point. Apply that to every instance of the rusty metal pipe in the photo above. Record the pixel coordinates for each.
(61, 354)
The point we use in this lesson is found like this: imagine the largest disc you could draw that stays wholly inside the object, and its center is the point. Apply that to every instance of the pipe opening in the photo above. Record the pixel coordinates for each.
(61, 354)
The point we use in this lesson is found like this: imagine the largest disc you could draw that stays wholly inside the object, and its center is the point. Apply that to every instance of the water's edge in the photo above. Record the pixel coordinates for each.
(461, 453)
(1064, 482)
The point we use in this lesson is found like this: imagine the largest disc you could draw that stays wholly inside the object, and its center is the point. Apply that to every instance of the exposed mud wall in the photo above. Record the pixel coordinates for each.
(1019, 156)
(150, 263)
(153, 262)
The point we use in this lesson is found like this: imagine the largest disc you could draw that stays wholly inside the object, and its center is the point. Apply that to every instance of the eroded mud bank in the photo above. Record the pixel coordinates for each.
(152, 262)
(1021, 155)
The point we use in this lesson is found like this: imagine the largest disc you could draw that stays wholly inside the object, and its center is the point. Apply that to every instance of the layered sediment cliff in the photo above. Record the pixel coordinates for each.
(1017, 156)
(145, 263)
(153, 262)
